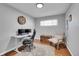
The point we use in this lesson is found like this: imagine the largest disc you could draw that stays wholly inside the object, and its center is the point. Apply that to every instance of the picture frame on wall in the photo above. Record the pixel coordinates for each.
(70, 18)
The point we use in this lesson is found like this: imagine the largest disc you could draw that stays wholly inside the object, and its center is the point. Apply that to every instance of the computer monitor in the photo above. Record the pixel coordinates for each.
(23, 31)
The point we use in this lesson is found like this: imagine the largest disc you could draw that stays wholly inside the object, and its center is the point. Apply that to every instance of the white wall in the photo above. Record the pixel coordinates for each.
(9, 25)
(52, 30)
(73, 31)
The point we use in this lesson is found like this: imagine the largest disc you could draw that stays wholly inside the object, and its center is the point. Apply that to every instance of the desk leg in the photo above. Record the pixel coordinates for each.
(17, 46)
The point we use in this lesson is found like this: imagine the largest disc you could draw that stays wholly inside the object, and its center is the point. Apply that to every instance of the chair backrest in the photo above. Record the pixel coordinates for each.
(34, 33)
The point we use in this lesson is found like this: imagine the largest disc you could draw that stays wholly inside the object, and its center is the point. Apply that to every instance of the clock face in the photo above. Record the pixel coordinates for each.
(21, 20)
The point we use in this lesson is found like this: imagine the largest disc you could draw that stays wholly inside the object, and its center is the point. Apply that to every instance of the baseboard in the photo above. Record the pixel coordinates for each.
(69, 49)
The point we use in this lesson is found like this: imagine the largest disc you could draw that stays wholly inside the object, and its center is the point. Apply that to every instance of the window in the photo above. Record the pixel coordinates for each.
(49, 23)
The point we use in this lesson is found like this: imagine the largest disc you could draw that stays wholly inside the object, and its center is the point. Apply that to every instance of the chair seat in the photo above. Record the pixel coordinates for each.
(53, 40)
(27, 41)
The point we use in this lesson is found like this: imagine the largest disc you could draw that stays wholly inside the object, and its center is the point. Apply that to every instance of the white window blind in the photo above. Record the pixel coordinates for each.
(49, 23)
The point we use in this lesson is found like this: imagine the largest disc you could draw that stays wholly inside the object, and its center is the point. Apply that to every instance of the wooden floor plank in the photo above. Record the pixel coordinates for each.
(11, 53)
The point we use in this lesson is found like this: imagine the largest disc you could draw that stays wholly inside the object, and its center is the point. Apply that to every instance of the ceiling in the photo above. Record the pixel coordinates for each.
(48, 9)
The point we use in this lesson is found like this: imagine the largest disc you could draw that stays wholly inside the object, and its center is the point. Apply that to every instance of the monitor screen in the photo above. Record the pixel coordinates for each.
(27, 30)
(22, 31)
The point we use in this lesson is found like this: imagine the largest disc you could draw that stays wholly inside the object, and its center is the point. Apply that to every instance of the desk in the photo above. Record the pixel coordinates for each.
(19, 39)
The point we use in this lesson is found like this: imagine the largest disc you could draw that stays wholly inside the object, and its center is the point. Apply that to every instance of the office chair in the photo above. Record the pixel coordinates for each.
(28, 43)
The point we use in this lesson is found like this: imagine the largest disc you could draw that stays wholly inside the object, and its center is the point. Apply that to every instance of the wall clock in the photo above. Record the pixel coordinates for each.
(21, 20)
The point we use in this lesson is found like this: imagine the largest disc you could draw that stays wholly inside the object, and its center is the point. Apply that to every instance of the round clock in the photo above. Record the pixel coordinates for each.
(21, 20)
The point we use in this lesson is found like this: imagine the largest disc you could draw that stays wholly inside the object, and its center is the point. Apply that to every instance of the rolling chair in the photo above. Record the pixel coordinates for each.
(28, 43)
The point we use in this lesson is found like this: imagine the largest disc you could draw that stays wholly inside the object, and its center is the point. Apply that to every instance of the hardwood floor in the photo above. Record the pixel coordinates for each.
(11, 53)
(60, 52)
